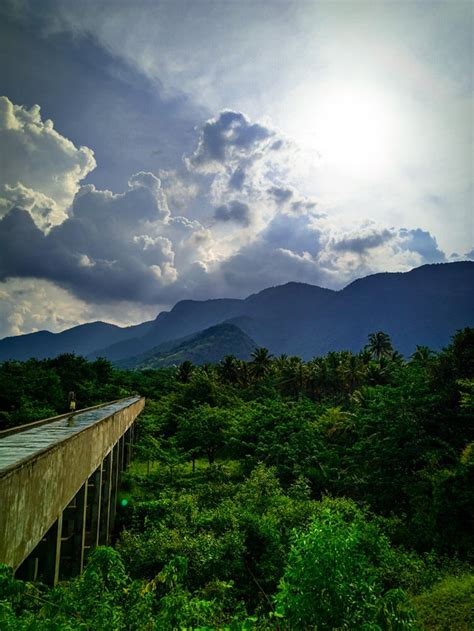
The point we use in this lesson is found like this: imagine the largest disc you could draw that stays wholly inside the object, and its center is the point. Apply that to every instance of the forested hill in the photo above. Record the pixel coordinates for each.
(205, 347)
(424, 306)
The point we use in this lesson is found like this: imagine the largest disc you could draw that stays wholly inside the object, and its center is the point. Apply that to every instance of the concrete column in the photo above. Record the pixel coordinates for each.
(44, 562)
(128, 446)
(28, 570)
(105, 503)
(122, 454)
(93, 508)
(115, 483)
(132, 439)
(73, 534)
(79, 534)
(50, 554)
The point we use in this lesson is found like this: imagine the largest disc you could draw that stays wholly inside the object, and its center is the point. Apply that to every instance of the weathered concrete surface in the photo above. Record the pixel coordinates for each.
(34, 492)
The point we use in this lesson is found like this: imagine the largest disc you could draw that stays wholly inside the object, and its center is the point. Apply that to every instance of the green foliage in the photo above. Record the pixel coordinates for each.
(448, 605)
(245, 537)
(35, 389)
(102, 598)
(333, 580)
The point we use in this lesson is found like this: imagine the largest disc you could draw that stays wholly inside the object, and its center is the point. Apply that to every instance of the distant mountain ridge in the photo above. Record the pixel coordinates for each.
(423, 306)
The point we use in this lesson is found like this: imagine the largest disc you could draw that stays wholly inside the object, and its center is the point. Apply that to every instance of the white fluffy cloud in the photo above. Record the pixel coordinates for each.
(28, 305)
(40, 170)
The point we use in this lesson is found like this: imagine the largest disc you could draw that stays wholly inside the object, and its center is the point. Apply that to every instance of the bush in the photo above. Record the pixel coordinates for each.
(333, 576)
(447, 606)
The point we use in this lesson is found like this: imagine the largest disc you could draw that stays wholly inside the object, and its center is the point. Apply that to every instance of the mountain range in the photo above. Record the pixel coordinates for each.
(423, 306)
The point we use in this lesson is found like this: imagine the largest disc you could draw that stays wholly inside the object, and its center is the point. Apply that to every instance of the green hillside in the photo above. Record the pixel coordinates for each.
(206, 347)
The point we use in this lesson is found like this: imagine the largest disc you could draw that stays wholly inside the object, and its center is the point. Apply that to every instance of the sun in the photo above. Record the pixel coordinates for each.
(353, 128)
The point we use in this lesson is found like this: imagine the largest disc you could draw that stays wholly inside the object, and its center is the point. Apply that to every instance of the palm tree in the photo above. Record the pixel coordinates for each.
(333, 361)
(352, 371)
(228, 369)
(243, 374)
(365, 355)
(378, 372)
(292, 377)
(185, 371)
(208, 369)
(281, 361)
(422, 355)
(380, 345)
(261, 362)
(316, 377)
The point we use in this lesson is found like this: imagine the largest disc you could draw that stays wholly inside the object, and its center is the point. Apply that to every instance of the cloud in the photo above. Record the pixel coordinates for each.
(234, 154)
(227, 138)
(112, 247)
(237, 179)
(40, 169)
(260, 265)
(44, 210)
(134, 248)
(296, 233)
(180, 189)
(233, 211)
(423, 243)
(280, 194)
(28, 305)
(360, 243)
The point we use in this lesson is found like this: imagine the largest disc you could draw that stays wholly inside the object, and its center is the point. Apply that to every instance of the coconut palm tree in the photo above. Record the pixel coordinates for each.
(261, 362)
(316, 377)
(422, 355)
(243, 374)
(228, 369)
(380, 345)
(185, 371)
(352, 371)
(292, 377)
(281, 361)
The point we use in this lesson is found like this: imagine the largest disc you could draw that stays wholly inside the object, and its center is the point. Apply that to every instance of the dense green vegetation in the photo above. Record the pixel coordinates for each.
(274, 494)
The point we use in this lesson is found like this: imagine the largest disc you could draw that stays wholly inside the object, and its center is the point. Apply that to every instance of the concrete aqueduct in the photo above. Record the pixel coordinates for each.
(59, 480)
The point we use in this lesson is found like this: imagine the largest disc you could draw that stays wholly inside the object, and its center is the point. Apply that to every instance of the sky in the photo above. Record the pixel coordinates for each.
(153, 151)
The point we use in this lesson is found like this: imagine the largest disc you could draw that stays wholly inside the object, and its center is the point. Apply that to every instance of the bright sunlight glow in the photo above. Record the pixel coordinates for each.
(352, 128)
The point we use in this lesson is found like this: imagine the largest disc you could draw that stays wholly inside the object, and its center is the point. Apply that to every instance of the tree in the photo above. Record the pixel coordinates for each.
(422, 355)
(204, 430)
(261, 362)
(332, 580)
(292, 377)
(380, 345)
(352, 371)
(185, 371)
(228, 369)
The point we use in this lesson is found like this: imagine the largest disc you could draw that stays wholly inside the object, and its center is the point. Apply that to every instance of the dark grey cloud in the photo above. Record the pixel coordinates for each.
(259, 265)
(104, 251)
(303, 205)
(277, 145)
(423, 243)
(231, 132)
(359, 244)
(292, 232)
(280, 194)
(233, 211)
(237, 179)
